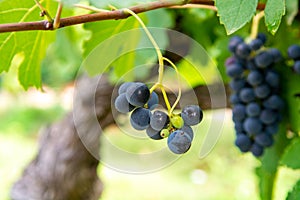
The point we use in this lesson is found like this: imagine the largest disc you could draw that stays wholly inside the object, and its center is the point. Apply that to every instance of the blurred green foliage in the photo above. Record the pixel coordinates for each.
(26, 120)
(63, 58)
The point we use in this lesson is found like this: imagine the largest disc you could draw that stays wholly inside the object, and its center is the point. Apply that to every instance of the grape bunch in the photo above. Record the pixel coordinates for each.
(294, 53)
(135, 98)
(255, 86)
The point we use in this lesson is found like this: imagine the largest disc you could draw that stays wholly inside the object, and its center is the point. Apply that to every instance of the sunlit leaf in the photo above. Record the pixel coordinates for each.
(32, 45)
(274, 11)
(234, 14)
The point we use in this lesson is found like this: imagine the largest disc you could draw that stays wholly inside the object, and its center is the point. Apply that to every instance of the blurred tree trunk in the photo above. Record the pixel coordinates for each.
(63, 168)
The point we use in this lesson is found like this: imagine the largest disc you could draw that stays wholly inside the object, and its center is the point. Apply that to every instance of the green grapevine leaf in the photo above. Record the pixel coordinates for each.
(274, 11)
(291, 10)
(295, 193)
(31, 45)
(292, 152)
(234, 14)
(34, 52)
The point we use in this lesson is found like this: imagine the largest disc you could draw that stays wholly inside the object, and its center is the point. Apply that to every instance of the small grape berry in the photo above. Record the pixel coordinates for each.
(140, 118)
(192, 115)
(137, 94)
(179, 142)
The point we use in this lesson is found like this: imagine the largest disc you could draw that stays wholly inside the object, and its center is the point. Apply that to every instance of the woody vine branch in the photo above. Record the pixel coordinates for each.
(47, 25)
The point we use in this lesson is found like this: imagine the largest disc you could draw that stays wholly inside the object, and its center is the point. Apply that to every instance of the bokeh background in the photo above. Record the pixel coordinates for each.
(225, 174)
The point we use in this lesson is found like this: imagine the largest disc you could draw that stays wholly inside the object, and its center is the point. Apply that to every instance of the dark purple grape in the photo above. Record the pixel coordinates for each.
(153, 101)
(243, 50)
(234, 70)
(268, 116)
(262, 91)
(272, 79)
(274, 102)
(140, 118)
(238, 126)
(138, 94)
(251, 65)
(262, 37)
(297, 66)
(238, 112)
(179, 142)
(122, 105)
(272, 128)
(263, 59)
(247, 95)
(234, 99)
(257, 150)
(153, 134)
(252, 126)
(237, 84)
(264, 140)
(158, 120)
(294, 52)
(253, 109)
(243, 142)
(256, 44)
(234, 42)
(255, 77)
(192, 115)
(124, 86)
(276, 55)
(187, 129)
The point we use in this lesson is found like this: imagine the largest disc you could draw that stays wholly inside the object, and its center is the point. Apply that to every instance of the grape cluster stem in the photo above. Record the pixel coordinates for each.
(44, 12)
(161, 60)
(255, 24)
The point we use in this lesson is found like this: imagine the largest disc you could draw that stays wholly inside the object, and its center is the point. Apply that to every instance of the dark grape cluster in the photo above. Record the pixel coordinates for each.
(255, 85)
(294, 53)
(135, 97)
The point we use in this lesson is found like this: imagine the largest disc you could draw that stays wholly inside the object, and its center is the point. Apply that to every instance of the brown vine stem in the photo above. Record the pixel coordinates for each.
(115, 14)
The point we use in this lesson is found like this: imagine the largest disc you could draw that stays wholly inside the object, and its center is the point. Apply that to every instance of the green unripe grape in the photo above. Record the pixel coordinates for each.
(164, 133)
(177, 121)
